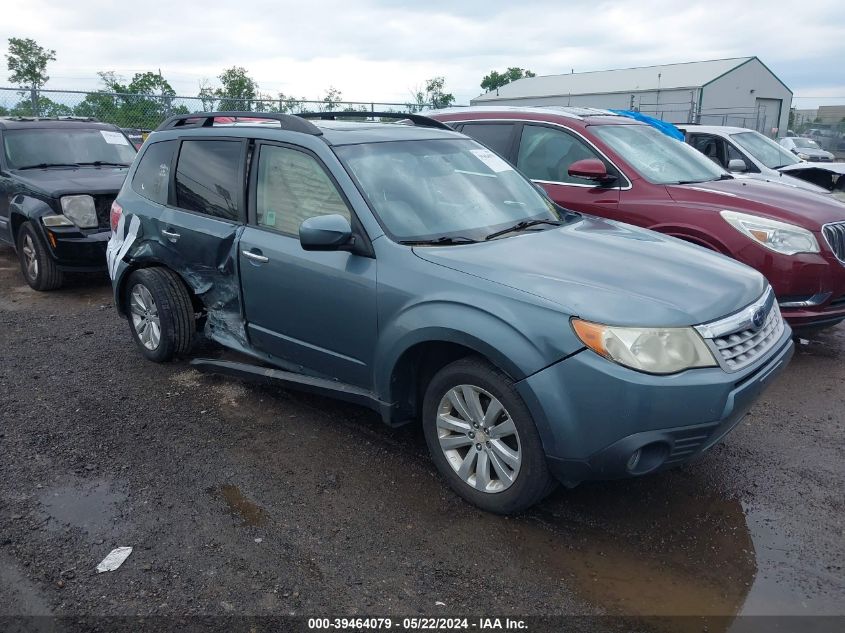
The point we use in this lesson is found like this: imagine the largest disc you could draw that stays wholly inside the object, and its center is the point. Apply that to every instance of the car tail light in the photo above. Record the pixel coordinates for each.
(115, 215)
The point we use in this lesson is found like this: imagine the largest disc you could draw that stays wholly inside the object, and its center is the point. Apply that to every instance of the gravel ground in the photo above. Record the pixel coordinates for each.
(248, 499)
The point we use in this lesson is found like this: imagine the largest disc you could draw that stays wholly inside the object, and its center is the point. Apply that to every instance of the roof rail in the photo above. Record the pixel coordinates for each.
(206, 119)
(417, 119)
(82, 119)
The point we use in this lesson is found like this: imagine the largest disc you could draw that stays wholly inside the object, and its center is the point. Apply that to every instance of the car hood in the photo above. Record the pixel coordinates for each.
(812, 151)
(611, 273)
(837, 168)
(62, 181)
(770, 199)
(783, 179)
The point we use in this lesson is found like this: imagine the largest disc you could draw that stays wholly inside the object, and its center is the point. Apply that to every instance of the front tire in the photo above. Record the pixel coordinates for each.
(160, 313)
(37, 265)
(482, 438)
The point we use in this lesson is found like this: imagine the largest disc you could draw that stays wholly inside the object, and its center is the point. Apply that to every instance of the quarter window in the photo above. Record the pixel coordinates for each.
(546, 153)
(208, 178)
(292, 187)
(496, 136)
(152, 177)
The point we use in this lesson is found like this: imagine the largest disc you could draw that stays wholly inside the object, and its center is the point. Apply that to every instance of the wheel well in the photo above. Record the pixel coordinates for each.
(17, 222)
(415, 369)
(195, 301)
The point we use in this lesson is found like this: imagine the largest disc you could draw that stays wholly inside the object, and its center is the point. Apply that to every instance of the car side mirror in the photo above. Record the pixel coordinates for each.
(737, 165)
(591, 169)
(326, 233)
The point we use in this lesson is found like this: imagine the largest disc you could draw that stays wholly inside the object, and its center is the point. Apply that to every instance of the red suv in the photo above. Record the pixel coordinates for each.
(612, 166)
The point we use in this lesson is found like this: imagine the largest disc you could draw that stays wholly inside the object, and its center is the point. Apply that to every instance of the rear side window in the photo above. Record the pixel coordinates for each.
(496, 136)
(208, 178)
(292, 187)
(152, 177)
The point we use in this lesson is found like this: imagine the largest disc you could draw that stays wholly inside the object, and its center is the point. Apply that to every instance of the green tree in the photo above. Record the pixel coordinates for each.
(238, 90)
(206, 96)
(142, 103)
(432, 95)
(45, 107)
(496, 79)
(332, 98)
(27, 63)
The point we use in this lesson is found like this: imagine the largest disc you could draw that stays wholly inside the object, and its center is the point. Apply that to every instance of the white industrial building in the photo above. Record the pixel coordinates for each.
(741, 91)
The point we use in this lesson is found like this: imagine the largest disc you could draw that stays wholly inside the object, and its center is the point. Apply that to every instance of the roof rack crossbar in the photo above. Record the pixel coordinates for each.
(206, 119)
(417, 119)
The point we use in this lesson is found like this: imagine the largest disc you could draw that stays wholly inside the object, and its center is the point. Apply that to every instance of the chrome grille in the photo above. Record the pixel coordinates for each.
(835, 236)
(737, 351)
(736, 342)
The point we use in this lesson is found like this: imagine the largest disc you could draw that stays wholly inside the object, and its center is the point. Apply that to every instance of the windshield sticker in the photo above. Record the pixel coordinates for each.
(491, 160)
(114, 138)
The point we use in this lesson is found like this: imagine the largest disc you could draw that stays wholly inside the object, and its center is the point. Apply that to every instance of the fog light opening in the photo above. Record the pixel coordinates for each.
(647, 458)
(634, 460)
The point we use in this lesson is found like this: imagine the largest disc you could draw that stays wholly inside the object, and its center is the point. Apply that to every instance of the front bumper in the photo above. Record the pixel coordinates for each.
(77, 250)
(593, 415)
(810, 287)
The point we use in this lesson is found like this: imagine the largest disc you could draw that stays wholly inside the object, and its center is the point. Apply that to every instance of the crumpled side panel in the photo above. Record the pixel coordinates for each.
(206, 263)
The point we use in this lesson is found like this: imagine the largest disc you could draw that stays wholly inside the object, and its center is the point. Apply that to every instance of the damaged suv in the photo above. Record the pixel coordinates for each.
(409, 269)
(58, 179)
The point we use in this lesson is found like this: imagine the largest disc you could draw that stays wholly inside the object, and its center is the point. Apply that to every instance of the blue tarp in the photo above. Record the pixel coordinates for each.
(667, 128)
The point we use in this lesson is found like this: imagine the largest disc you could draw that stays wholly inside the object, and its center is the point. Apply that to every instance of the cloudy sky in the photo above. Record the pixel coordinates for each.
(378, 50)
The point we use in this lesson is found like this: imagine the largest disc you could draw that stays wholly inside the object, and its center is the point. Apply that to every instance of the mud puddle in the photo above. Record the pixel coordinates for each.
(251, 513)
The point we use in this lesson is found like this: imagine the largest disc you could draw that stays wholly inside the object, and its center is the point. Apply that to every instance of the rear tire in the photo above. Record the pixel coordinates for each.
(482, 438)
(160, 313)
(37, 265)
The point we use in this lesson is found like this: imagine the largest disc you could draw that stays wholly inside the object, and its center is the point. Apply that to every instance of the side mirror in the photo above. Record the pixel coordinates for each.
(325, 233)
(737, 165)
(591, 169)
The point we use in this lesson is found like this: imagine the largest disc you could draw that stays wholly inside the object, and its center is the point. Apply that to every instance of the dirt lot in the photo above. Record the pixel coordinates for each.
(248, 499)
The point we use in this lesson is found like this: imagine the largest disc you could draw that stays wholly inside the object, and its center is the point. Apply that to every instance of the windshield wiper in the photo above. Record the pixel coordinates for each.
(45, 165)
(521, 226)
(100, 163)
(444, 240)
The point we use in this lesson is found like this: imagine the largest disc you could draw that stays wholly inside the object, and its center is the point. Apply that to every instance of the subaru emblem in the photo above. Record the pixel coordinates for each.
(759, 318)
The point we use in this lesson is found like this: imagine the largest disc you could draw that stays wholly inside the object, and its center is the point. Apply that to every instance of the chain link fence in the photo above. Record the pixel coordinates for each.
(147, 111)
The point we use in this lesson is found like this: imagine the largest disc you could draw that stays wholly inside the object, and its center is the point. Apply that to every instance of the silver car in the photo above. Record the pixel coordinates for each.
(806, 149)
(744, 151)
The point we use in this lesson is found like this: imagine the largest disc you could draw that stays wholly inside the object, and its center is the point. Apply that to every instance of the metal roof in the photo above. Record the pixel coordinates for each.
(666, 77)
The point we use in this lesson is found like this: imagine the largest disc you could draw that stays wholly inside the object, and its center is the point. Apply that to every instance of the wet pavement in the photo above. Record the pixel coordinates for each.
(243, 498)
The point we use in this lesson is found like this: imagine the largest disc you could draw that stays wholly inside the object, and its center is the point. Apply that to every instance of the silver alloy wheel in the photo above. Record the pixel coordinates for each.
(478, 438)
(30, 258)
(145, 318)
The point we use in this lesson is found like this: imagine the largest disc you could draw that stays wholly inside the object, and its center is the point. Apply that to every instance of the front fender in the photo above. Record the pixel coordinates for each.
(25, 208)
(513, 351)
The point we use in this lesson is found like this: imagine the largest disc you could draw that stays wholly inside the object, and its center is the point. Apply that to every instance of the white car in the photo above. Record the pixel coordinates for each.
(806, 149)
(744, 151)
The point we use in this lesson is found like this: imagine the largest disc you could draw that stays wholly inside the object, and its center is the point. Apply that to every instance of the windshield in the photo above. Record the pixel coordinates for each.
(805, 143)
(425, 190)
(63, 146)
(765, 150)
(658, 158)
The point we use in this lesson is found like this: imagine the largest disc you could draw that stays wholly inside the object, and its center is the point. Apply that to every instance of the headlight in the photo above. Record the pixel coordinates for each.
(803, 156)
(652, 350)
(777, 236)
(55, 220)
(80, 210)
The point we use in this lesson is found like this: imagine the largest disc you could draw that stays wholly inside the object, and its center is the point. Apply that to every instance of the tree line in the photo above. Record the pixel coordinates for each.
(148, 98)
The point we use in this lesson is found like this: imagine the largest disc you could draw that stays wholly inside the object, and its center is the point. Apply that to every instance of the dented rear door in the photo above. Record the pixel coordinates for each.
(201, 226)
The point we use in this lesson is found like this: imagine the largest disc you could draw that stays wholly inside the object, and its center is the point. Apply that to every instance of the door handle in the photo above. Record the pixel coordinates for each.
(255, 257)
(170, 235)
